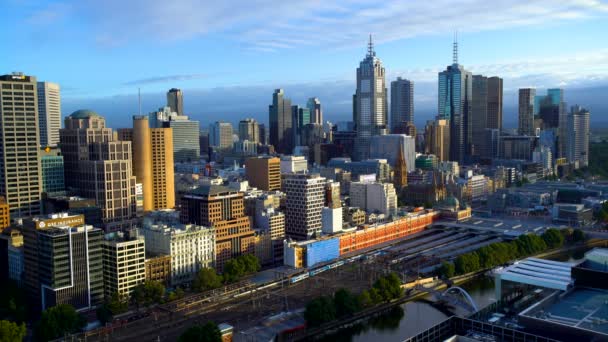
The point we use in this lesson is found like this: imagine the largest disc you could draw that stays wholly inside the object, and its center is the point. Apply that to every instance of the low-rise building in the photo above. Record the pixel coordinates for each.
(158, 268)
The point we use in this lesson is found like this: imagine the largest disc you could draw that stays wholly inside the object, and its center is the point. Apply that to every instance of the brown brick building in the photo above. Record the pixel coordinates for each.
(223, 209)
(264, 173)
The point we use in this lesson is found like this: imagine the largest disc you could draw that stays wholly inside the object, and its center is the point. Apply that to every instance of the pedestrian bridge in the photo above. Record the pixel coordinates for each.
(454, 295)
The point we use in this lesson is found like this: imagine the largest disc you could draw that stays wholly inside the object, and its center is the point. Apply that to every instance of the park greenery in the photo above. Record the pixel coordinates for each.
(11, 331)
(57, 321)
(344, 303)
(234, 269)
(209, 332)
(148, 293)
(500, 253)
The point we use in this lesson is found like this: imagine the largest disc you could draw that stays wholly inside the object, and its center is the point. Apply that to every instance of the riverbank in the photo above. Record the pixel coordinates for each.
(384, 309)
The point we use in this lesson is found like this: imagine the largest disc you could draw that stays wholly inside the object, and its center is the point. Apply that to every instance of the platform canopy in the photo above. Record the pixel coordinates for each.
(539, 272)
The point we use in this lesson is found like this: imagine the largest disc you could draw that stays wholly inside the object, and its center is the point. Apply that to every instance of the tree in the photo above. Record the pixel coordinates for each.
(446, 270)
(467, 263)
(58, 321)
(375, 296)
(235, 268)
(11, 332)
(365, 300)
(206, 279)
(319, 311)
(148, 293)
(346, 303)
(553, 238)
(12, 302)
(209, 332)
(389, 287)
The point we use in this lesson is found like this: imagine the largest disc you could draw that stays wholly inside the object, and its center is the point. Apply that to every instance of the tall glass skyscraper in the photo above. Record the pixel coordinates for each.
(281, 123)
(370, 112)
(402, 104)
(455, 89)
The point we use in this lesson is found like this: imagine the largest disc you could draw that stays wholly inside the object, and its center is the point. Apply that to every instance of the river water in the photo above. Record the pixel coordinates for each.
(412, 318)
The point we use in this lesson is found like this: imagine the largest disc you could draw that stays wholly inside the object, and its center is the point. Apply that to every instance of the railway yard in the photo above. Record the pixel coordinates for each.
(250, 303)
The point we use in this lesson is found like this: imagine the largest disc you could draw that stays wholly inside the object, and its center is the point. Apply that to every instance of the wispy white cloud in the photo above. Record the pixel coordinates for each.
(165, 79)
(274, 25)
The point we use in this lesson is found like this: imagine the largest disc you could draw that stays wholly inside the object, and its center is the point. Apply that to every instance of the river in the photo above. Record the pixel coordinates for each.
(414, 317)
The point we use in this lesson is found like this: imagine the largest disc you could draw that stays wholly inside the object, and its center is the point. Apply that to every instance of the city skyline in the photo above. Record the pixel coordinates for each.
(239, 83)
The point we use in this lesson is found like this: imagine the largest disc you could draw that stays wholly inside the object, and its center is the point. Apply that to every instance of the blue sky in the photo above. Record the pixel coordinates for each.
(227, 56)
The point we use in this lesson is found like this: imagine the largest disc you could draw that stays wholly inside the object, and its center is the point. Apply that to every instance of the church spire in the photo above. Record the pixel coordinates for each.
(400, 175)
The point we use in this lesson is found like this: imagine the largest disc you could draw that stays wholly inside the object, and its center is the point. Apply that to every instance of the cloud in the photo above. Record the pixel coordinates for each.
(268, 25)
(165, 79)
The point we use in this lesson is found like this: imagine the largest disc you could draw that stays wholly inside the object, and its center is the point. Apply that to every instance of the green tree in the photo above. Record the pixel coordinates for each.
(58, 321)
(467, 263)
(375, 296)
(346, 303)
(319, 311)
(148, 293)
(389, 287)
(553, 238)
(12, 302)
(11, 332)
(446, 270)
(206, 279)
(209, 332)
(365, 300)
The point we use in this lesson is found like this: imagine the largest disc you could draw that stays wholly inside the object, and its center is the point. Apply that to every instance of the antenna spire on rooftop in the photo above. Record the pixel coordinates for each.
(455, 50)
(139, 99)
(370, 47)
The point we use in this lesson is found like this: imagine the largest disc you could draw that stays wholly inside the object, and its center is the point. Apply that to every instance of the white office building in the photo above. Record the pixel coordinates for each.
(293, 164)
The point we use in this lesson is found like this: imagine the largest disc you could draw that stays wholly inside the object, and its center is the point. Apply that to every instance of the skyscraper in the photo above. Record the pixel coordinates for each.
(455, 92)
(305, 199)
(249, 129)
(100, 167)
(494, 120)
(20, 181)
(552, 111)
(525, 124)
(316, 112)
(479, 111)
(369, 102)
(281, 123)
(186, 144)
(301, 118)
(175, 101)
(220, 135)
(437, 139)
(49, 113)
(578, 136)
(402, 104)
(153, 164)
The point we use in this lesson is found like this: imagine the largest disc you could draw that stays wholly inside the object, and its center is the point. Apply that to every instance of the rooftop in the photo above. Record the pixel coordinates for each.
(84, 114)
(539, 272)
(211, 190)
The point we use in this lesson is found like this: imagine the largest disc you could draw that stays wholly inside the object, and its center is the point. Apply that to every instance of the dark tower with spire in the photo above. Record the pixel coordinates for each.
(400, 175)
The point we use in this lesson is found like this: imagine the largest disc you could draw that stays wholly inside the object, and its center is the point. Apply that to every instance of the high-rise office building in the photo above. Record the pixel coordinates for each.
(99, 166)
(316, 112)
(220, 135)
(370, 112)
(186, 144)
(437, 139)
(374, 197)
(390, 145)
(578, 136)
(153, 163)
(51, 166)
(552, 111)
(264, 173)
(249, 129)
(49, 113)
(281, 123)
(63, 262)
(124, 256)
(486, 109)
(305, 199)
(301, 118)
(175, 101)
(222, 209)
(20, 178)
(494, 118)
(402, 104)
(455, 95)
(525, 124)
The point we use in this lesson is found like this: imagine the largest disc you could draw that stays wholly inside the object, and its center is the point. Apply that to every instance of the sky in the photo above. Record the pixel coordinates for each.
(228, 56)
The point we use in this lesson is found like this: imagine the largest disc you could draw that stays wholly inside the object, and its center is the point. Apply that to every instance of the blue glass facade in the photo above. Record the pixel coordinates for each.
(52, 174)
